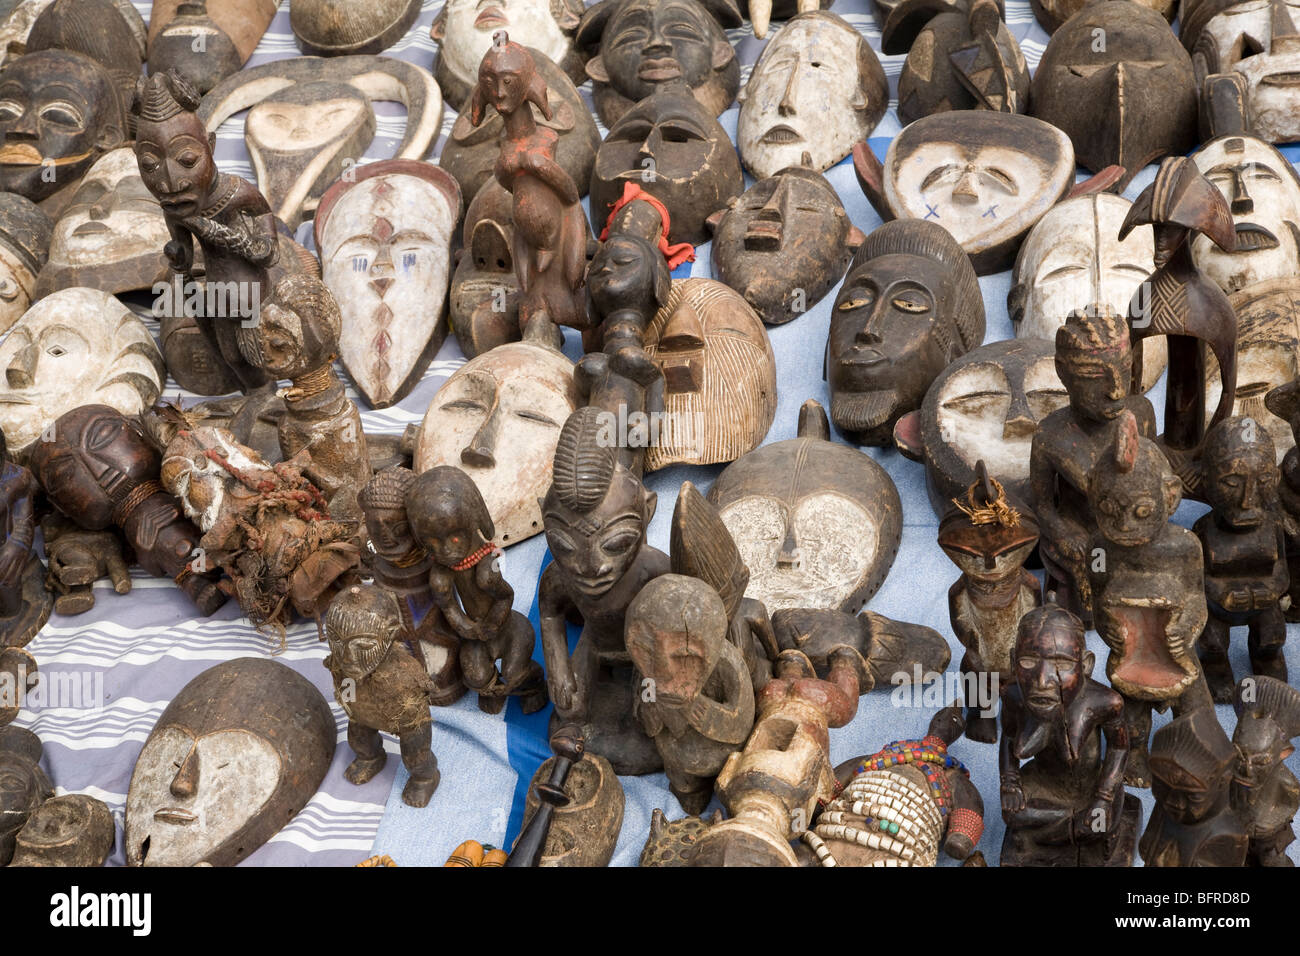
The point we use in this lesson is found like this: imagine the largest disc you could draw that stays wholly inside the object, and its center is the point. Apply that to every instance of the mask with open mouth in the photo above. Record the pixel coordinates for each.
(59, 112)
(671, 146)
(817, 89)
(237, 753)
(645, 43)
(1263, 193)
(1258, 40)
(464, 28)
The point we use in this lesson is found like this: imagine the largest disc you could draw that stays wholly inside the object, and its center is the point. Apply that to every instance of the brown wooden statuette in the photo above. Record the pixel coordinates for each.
(382, 688)
(1148, 587)
(1063, 799)
(1179, 302)
(71, 829)
(1264, 792)
(101, 473)
(78, 558)
(1284, 402)
(472, 600)
(901, 805)
(24, 603)
(1244, 543)
(1094, 360)
(26, 785)
(1193, 824)
(988, 535)
(551, 231)
(701, 698)
(596, 514)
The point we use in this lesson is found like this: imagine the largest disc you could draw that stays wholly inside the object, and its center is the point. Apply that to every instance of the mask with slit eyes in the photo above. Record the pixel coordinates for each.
(498, 419)
(816, 522)
(75, 347)
(1259, 40)
(58, 111)
(645, 43)
(111, 235)
(673, 148)
(237, 753)
(1072, 260)
(818, 88)
(385, 241)
(1263, 193)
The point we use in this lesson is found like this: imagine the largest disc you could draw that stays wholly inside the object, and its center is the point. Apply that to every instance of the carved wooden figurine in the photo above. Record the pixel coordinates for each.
(816, 89)
(596, 514)
(646, 43)
(964, 60)
(772, 787)
(909, 306)
(551, 231)
(297, 338)
(71, 829)
(1185, 306)
(1265, 793)
(1063, 799)
(399, 565)
(470, 595)
(1193, 823)
(26, 785)
(1284, 401)
(101, 473)
(237, 753)
(1148, 588)
(382, 688)
(1244, 543)
(25, 235)
(701, 698)
(1095, 362)
(78, 558)
(24, 602)
(901, 805)
(226, 215)
(18, 674)
(988, 535)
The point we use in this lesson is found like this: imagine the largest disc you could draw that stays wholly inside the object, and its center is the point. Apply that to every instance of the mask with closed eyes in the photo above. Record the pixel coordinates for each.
(816, 522)
(1073, 260)
(237, 753)
(1263, 193)
(498, 419)
(817, 89)
(385, 246)
(1259, 40)
(111, 235)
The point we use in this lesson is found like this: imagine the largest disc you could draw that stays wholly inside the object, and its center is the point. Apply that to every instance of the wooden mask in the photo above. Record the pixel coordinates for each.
(384, 237)
(1259, 41)
(484, 309)
(817, 89)
(237, 753)
(23, 784)
(334, 28)
(817, 523)
(206, 40)
(24, 245)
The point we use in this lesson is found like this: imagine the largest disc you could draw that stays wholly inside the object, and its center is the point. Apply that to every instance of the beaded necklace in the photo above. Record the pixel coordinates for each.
(930, 756)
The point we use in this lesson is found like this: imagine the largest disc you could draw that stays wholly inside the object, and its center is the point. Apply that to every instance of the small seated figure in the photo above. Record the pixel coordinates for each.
(899, 806)
(298, 338)
(1264, 792)
(382, 688)
(401, 567)
(471, 598)
(1244, 544)
(596, 514)
(24, 602)
(1193, 823)
(1148, 587)
(988, 536)
(1065, 806)
(78, 558)
(700, 705)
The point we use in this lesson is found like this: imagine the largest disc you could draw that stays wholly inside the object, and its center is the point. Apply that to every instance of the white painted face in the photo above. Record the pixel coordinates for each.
(385, 254)
(1072, 259)
(1272, 74)
(804, 95)
(198, 482)
(177, 813)
(983, 415)
(1264, 197)
(74, 347)
(793, 559)
(467, 32)
(982, 195)
(112, 217)
(498, 419)
(16, 284)
(292, 127)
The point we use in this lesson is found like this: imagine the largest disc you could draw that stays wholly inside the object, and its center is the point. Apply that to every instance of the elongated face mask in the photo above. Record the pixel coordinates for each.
(1259, 40)
(464, 33)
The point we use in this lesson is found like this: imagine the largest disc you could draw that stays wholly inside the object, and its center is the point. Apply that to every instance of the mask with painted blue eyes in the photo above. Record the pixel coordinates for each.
(385, 246)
